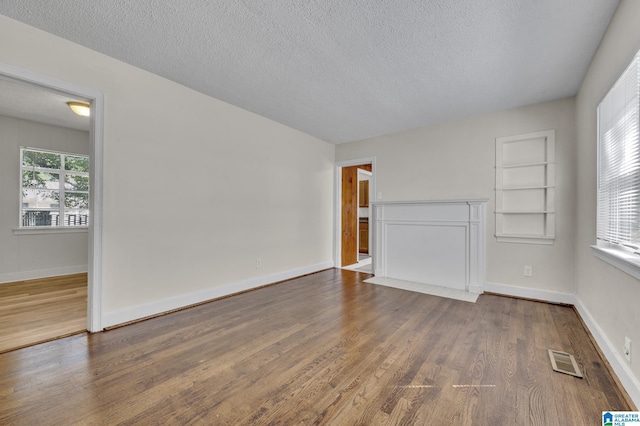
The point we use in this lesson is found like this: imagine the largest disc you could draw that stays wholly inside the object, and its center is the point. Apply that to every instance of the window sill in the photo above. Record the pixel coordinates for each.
(524, 239)
(51, 230)
(626, 262)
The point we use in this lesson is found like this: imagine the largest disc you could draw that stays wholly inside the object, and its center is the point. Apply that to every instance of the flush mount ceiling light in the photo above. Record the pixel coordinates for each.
(80, 108)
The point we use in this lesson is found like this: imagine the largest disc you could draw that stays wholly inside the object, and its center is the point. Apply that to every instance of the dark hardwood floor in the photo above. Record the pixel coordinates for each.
(321, 349)
(39, 310)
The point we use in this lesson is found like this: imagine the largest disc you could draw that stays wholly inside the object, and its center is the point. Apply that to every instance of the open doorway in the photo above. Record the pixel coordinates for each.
(355, 191)
(364, 177)
(51, 244)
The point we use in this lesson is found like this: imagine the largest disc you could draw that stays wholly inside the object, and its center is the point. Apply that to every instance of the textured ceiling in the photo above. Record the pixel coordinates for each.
(31, 102)
(344, 70)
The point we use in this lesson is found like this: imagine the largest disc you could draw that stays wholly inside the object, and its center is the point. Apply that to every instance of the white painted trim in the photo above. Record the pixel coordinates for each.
(615, 358)
(524, 240)
(625, 261)
(609, 350)
(45, 230)
(443, 201)
(530, 293)
(547, 235)
(94, 295)
(166, 305)
(337, 201)
(427, 216)
(94, 299)
(41, 273)
(357, 162)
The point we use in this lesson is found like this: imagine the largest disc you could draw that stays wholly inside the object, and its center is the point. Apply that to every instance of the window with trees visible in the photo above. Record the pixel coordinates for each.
(618, 225)
(54, 189)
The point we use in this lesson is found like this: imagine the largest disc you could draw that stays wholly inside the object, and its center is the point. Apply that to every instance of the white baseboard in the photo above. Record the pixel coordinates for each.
(165, 305)
(615, 358)
(531, 293)
(41, 273)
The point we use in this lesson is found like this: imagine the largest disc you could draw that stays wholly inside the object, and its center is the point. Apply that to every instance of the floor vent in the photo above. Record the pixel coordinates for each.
(563, 362)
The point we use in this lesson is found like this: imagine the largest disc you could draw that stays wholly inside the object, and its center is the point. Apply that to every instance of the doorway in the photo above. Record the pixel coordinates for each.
(364, 232)
(355, 189)
(96, 99)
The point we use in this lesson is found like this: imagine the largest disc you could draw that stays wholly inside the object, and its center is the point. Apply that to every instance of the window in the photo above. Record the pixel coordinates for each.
(54, 189)
(618, 223)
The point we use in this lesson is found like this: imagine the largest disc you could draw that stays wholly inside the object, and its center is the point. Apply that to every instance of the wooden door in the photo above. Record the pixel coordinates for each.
(364, 193)
(364, 237)
(349, 215)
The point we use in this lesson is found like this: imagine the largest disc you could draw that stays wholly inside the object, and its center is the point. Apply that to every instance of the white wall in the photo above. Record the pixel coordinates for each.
(457, 160)
(611, 296)
(195, 190)
(35, 256)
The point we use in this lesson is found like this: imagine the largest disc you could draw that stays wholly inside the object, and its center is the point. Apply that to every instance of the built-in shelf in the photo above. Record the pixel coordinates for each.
(523, 236)
(525, 188)
(525, 212)
(514, 166)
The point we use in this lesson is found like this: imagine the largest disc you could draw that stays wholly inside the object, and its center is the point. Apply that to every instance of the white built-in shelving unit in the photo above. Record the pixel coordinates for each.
(525, 188)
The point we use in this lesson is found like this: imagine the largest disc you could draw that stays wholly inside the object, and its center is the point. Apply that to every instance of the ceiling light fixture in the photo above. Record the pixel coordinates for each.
(80, 108)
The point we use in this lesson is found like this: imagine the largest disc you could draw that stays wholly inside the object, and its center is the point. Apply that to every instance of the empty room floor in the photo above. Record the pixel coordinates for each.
(325, 348)
(43, 309)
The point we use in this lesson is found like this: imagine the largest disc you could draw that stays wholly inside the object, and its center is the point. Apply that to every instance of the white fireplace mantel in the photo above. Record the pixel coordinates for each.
(438, 242)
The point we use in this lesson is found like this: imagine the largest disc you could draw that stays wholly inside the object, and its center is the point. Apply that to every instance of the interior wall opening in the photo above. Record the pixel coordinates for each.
(39, 104)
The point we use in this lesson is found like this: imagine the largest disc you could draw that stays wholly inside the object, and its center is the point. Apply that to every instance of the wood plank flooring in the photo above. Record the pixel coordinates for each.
(39, 310)
(321, 349)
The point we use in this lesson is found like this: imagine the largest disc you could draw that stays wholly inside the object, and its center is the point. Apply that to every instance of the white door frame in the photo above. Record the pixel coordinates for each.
(94, 289)
(337, 202)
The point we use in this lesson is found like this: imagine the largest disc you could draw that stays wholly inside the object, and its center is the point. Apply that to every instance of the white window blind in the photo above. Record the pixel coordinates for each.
(618, 222)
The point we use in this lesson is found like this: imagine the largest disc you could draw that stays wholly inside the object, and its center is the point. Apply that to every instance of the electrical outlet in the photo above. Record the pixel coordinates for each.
(528, 271)
(258, 263)
(627, 349)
